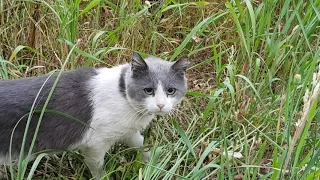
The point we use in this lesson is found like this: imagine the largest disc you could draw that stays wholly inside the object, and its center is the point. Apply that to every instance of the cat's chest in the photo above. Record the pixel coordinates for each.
(111, 126)
(120, 120)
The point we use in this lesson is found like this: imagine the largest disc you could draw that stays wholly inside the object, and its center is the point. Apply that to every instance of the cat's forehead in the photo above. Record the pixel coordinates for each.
(158, 65)
(160, 71)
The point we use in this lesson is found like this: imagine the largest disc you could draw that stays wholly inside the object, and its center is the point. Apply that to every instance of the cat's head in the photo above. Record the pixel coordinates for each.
(156, 85)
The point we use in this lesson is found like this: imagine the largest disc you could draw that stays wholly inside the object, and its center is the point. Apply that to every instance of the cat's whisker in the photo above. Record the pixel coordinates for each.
(135, 113)
(129, 113)
(138, 115)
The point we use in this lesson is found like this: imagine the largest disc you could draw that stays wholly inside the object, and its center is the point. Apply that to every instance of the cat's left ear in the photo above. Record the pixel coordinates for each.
(138, 62)
(181, 64)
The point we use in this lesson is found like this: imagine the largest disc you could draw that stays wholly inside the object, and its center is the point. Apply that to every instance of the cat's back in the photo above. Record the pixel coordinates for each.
(71, 97)
(24, 90)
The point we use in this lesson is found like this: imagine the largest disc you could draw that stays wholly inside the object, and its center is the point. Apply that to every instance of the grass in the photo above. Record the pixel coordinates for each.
(252, 107)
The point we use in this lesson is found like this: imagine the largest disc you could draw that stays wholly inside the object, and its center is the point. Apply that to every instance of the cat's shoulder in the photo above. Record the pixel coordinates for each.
(114, 71)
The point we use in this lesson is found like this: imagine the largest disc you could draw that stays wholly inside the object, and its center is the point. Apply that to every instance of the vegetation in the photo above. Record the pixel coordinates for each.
(252, 111)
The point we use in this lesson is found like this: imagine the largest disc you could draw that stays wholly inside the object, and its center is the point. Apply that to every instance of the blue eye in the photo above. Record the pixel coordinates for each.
(149, 91)
(171, 91)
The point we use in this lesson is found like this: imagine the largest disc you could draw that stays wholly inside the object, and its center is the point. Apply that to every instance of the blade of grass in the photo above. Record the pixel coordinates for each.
(251, 85)
(45, 106)
(184, 138)
(206, 21)
(19, 48)
(240, 31)
(91, 5)
(35, 165)
(21, 165)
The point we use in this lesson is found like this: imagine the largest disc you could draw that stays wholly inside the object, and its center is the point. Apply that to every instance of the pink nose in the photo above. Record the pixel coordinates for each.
(160, 105)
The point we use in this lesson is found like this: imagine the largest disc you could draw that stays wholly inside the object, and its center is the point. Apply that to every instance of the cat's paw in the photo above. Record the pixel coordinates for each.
(146, 156)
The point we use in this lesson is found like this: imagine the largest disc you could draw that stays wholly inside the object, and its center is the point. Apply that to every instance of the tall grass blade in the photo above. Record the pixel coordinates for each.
(184, 138)
(206, 21)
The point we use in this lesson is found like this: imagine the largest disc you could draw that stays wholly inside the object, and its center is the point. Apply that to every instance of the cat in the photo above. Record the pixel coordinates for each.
(91, 109)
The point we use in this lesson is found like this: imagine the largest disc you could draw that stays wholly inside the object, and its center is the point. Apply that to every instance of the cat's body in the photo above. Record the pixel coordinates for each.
(113, 104)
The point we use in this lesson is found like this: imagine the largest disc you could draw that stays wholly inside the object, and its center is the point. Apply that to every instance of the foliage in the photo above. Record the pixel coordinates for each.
(252, 109)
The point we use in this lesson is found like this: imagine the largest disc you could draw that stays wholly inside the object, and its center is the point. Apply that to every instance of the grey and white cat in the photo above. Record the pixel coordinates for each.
(115, 103)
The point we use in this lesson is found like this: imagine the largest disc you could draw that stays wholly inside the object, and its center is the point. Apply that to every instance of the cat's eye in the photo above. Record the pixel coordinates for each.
(148, 91)
(171, 91)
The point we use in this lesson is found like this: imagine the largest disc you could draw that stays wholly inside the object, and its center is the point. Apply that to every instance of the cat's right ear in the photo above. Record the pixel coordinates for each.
(138, 62)
(181, 64)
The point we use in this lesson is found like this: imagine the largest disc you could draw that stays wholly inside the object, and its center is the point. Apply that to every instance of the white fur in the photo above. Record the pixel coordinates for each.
(113, 119)
(4, 159)
(136, 140)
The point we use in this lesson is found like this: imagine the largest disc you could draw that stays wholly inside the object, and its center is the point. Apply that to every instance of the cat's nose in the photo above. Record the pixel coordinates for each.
(160, 106)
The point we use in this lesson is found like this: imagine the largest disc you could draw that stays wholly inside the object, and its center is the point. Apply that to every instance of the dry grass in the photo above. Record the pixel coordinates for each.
(244, 96)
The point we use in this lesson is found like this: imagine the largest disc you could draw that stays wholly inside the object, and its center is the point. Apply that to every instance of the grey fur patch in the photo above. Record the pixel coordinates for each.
(122, 82)
(181, 64)
(71, 97)
(138, 62)
(157, 70)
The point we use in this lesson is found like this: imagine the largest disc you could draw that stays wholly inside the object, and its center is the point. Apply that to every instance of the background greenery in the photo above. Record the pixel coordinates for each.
(252, 110)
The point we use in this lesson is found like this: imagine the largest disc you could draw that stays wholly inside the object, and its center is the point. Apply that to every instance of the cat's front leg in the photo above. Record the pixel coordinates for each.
(94, 158)
(136, 140)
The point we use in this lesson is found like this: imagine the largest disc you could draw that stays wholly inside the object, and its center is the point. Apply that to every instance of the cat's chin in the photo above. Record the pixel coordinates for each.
(158, 113)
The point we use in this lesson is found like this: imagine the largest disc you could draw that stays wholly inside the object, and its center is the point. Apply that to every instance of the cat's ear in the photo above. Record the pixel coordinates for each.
(138, 62)
(181, 64)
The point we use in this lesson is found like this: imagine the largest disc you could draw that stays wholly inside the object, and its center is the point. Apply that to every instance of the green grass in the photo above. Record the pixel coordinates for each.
(252, 64)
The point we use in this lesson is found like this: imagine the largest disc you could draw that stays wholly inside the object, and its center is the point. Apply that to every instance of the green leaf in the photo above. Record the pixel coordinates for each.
(212, 103)
(240, 31)
(83, 53)
(91, 5)
(251, 85)
(184, 138)
(205, 153)
(35, 165)
(202, 3)
(96, 37)
(230, 87)
(196, 94)
(19, 48)
(206, 21)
